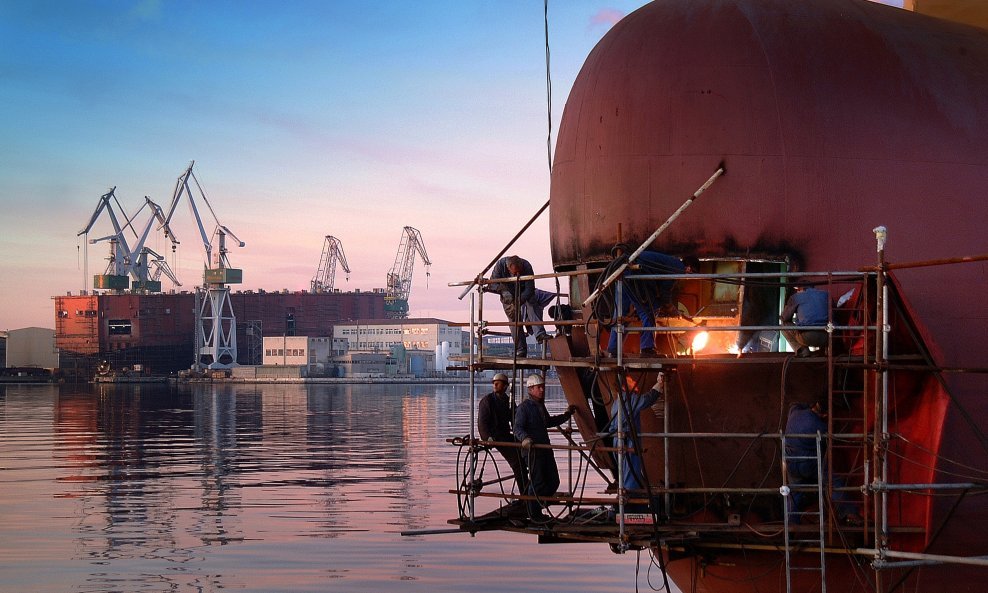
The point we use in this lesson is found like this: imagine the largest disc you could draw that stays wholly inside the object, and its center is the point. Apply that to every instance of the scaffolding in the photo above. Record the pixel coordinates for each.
(681, 513)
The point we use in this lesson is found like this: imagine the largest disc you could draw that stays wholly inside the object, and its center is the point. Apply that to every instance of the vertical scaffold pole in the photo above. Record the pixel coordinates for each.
(665, 447)
(881, 403)
(473, 408)
(619, 328)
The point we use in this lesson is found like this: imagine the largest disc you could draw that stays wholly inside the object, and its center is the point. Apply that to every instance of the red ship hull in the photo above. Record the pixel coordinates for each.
(832, 117)
(158, 330)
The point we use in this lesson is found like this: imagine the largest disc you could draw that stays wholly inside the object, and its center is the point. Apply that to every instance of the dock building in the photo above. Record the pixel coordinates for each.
(157, 331)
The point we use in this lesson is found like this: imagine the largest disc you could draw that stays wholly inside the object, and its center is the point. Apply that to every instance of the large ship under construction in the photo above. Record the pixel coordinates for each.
(157, 331)
(833, 143)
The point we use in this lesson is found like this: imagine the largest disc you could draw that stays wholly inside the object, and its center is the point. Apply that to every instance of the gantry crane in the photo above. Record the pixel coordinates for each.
(129, 267)
(332, 254)
(115, 276)
(146, 265)
(400, 276)
(216, 324)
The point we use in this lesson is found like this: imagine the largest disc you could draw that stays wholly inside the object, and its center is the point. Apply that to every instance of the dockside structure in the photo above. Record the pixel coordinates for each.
(156, 332)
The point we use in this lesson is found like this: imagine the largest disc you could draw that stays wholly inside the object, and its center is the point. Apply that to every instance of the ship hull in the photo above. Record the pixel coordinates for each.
(831, 117)
(157, 331)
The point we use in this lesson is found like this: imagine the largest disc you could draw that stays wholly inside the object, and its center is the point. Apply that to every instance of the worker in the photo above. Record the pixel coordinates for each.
(634, 477)
(532, 424)
(494, 425)
(649, 296)
(807, 307)
(522, 302)
(801, 461)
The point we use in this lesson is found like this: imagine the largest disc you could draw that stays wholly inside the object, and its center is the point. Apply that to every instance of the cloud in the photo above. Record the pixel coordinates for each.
(606, 16)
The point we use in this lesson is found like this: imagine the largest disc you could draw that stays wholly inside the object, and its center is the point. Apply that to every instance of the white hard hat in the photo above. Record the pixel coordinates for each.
(500, 377)
(534, 380)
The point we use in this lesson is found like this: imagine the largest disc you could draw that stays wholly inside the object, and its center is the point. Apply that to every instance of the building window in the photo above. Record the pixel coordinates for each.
(120, 327)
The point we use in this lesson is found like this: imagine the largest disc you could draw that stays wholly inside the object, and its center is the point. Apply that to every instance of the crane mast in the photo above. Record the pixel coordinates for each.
(115, 277)
(399, 281)
(332, 254)
(216, 324)
(129, 267)
(146, 271)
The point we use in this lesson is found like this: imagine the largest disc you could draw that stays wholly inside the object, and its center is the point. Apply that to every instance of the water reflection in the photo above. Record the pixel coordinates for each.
(254, 488)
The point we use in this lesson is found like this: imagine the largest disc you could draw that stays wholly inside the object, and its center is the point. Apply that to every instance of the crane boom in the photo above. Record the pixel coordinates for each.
(215, 260)
(120, 260)
(216, 323)
(332, 254)
(399, 281)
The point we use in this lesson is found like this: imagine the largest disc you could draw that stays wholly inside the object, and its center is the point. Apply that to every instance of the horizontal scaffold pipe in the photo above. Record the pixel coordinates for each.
(835, 277)
(654, 490)
(517, 445)
(513, 323)
(880, 487)
(710, 328)
(936, 262)
(739, 435)
(675, 328)
(934, 368)
(972, 560)
(508, 279)
(553, 498)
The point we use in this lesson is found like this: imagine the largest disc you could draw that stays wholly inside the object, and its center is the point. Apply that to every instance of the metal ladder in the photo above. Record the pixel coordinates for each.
(850, 384)
(794, 515)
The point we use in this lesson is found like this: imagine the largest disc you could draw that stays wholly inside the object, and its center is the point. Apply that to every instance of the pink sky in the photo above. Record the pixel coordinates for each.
(329, 119)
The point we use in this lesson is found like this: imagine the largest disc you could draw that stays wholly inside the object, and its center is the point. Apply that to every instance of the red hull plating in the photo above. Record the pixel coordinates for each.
(832, 117)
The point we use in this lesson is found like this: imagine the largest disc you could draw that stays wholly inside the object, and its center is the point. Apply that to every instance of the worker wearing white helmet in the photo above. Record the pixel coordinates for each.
(494, 424)
(532, 424)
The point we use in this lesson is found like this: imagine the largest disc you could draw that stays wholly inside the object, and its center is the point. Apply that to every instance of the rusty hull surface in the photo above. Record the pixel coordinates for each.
(832, 117)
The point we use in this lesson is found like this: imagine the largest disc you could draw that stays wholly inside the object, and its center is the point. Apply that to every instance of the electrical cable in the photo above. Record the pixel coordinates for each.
(548, 85)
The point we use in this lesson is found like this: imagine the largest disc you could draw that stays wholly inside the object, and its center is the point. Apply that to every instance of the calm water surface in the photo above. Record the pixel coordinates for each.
(257, 488)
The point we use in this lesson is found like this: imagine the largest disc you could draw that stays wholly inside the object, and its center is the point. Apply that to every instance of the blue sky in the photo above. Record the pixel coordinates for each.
(305, 119)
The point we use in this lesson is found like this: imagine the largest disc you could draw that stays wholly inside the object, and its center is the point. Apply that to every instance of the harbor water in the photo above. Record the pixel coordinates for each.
(262, 488)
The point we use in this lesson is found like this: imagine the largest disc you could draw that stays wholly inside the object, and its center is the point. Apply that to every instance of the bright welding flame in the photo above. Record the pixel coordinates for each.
(700, 341)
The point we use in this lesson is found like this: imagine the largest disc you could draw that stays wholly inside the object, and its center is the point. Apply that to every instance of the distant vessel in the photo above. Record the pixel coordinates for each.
(832, 118)
(157, 331)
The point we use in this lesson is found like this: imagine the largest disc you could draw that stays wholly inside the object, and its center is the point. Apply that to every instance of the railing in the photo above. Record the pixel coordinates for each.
(480, 327)
(858, 329)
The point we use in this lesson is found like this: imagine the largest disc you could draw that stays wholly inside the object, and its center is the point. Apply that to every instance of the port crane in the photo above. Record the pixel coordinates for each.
(400, 277)
(332, 254)
(139, 267)
(216, 324)
(115, 276)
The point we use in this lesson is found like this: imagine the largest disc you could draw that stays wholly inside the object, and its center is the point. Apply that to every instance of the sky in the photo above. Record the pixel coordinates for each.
(304, 119)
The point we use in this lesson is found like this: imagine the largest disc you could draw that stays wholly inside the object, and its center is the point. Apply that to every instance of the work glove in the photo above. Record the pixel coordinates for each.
(526, 444)
(571, 410)
(507, 298)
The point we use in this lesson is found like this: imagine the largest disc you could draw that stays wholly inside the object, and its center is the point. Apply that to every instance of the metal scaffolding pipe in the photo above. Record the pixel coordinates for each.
(970, 560)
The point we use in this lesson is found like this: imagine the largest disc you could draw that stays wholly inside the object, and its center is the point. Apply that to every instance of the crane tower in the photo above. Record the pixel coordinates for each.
(216, 324)
(400, 276)
(332, 254)
(129, 267)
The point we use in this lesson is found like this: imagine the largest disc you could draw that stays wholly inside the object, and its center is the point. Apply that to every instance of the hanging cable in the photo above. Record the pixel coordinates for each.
(548, 85)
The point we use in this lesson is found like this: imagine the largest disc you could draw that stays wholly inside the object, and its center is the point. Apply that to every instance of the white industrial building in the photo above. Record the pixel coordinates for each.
(381, 335)
(313, 353)
(31, 347)
(373, 348)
